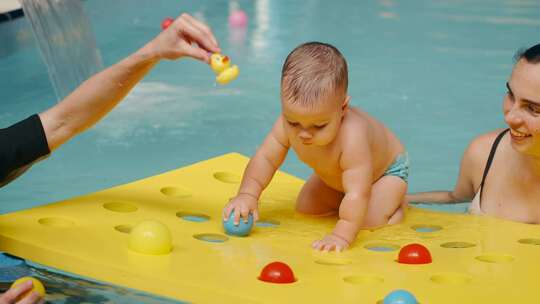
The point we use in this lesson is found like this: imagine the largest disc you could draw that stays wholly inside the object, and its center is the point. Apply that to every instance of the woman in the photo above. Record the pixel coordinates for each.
(500, 170)
(35, 137)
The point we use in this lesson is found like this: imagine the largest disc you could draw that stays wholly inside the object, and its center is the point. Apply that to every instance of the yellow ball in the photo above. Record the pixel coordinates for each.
(228, 75)
(150, 237)
(218, 62)
(36, 286)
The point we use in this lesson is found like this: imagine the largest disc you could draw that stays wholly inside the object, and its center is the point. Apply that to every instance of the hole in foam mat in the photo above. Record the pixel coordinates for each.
(381, 247)
(458, 245)
(529, 241)
(267, 223)
(426, 228)
(364, 279)
(56, 222)
(121, 207)
(495, 258)
(227, 177)
(193, 217)
(333, 261)
(178, 192)
(124, 228)
(450, 278)
(211, 237)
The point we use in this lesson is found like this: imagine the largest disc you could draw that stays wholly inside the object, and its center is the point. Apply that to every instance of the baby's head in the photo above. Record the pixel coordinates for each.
(314, 96)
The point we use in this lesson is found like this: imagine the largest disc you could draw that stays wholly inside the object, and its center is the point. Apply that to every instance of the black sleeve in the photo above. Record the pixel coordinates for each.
(20, 146)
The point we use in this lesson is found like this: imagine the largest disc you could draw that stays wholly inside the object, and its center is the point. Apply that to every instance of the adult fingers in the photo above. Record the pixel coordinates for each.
(203, 28)
(195, 34)
(197, 53)
(33, 298)
(11, 295)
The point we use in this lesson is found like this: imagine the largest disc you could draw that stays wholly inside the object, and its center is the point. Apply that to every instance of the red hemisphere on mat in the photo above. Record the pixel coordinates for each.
(414, 254)
(277, 272)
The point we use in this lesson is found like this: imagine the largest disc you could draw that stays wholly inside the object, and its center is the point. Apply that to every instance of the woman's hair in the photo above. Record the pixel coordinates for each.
(532, 54)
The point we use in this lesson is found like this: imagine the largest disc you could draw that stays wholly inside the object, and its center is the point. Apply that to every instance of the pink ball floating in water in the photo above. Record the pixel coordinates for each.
(166, 23)
(238, 18)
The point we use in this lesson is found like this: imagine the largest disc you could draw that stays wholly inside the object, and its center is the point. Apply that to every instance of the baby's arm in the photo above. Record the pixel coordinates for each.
(357, 179)
(259, 173)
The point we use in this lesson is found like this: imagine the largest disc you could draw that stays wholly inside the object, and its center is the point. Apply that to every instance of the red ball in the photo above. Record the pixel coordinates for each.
(414, 254)
(277, 272)
(166, 22)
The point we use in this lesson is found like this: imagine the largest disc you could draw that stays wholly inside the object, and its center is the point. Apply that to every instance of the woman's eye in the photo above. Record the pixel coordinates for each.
(510, 95)
(320, 127)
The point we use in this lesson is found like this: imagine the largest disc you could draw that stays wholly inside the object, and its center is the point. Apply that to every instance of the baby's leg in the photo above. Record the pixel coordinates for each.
(316, 198)
(387, 203)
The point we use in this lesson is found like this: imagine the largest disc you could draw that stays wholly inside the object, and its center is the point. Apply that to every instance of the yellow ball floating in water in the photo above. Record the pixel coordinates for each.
(37, 286)
(150, 237)
(221, 66)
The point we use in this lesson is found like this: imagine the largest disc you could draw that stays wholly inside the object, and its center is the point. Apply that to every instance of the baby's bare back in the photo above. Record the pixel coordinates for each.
(357, 125)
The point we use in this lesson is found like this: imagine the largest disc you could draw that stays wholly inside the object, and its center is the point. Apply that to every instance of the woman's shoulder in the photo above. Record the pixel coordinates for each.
(479, 148)
(484, 142)
(476, 155)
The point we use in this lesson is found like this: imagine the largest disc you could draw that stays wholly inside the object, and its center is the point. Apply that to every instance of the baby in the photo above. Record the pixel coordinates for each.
(360, 168)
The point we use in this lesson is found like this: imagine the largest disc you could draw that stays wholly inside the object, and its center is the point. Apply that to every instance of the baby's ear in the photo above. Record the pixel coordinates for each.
(345, 104)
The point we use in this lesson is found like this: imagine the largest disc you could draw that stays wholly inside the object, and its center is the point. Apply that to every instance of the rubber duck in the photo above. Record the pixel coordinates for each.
(221, 65)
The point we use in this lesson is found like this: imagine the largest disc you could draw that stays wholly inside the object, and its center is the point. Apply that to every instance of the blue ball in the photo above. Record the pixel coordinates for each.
(400, 296)
(242, 229)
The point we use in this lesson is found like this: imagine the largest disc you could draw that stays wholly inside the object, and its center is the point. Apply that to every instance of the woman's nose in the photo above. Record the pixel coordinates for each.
(513, 116)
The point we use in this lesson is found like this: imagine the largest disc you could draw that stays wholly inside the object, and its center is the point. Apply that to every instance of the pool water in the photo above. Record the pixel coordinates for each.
(433, 71)
(61, 288)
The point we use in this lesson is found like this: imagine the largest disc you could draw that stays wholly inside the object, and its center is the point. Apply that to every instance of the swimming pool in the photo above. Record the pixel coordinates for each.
(433, 71)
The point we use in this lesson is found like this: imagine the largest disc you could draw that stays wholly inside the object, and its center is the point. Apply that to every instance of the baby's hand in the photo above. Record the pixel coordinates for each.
(331, 242)
(242, 205)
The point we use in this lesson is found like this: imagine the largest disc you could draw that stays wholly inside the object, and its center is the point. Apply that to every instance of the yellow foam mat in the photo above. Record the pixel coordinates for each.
(475, 259)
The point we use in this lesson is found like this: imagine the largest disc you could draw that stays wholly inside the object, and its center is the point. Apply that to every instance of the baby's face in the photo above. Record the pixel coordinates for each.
(318, 125)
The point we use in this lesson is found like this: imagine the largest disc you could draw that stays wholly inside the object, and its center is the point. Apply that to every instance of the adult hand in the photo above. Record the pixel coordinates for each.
(11, 296)
(186, 36)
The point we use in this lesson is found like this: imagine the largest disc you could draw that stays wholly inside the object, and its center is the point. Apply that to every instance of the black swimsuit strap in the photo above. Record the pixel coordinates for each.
(489, 161)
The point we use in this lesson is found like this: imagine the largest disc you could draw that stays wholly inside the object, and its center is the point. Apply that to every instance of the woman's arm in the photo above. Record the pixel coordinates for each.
(472, 162)
(97, 96)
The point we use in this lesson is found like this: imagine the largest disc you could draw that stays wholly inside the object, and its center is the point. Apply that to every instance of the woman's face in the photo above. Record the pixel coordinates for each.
(521, 107)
